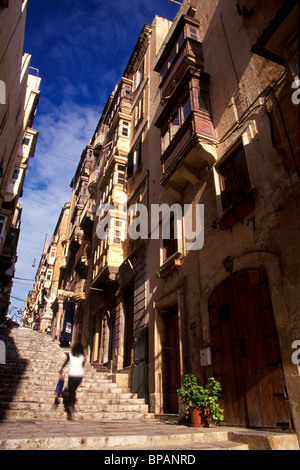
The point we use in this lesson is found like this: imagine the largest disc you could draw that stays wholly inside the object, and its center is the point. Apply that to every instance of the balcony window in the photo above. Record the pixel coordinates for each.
(173, 54)
(121, 174)
(177, 119)
(26, 140)
(193, 33)
(2, 224)
(16, 174)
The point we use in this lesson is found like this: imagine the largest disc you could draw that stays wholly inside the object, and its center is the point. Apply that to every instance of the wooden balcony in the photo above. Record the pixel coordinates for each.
(75, 238)
(79, 290)
(187, 153)
(190, 55)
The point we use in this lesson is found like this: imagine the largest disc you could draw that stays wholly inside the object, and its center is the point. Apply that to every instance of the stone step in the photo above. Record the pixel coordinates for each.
(29, 379)
(45, 389)
(80, 407)
(81, 400)
(80, 415)
(110, 436)
(48, 396)
(51, 378)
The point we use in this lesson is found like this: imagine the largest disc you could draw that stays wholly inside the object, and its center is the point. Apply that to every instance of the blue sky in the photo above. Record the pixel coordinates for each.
(81, 49)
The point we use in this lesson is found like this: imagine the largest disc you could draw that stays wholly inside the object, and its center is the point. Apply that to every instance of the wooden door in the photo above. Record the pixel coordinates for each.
(246, 352)
(140, 369)
(172, 361)
(128, 328)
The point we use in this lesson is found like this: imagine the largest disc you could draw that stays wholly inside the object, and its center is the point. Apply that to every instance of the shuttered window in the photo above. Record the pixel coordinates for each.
(134, 160)
(235, 182)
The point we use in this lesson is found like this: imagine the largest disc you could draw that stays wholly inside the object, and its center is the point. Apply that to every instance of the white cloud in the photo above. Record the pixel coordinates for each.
(63, 134)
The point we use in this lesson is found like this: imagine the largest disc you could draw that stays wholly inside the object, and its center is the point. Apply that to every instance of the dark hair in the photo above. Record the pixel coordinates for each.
(77, 350)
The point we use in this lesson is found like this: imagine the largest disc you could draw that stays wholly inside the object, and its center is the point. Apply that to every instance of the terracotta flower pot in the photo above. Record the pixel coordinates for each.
(200, 417)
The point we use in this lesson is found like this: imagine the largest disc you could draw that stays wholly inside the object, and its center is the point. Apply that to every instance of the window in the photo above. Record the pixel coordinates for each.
(175, 124)
(193, 33)
(186, 109)
(138, 77)
(121, 174)
(170, 246)
(125, 129)
(2, 224)
(235, 182)
(26, 140)
(134, 160)
(139, 110)
(177, 119)
(16, 173)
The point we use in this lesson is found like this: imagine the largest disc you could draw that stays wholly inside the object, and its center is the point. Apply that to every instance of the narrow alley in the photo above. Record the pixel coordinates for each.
(108, 416)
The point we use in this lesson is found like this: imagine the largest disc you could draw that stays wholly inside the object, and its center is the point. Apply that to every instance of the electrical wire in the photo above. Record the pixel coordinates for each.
(44, 152)
(237, 125)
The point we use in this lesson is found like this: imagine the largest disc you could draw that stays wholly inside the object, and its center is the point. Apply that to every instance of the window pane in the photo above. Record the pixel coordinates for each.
(175, 124)
(165, 140)
(180, 40)
(241, 177)
(172, 55)
(193, 34)
(235, 181)
(186, 108)
(170, 245)
(203, 101)
(15, 174)
(164, 70)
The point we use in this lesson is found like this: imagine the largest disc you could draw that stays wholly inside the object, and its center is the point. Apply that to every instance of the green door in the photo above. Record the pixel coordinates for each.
(140, 369)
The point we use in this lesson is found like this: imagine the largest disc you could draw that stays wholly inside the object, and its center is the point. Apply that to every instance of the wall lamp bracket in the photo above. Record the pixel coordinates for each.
(242, 11)
(228, 264)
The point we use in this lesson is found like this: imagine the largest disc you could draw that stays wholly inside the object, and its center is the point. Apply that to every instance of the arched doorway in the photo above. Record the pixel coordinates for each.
(246, 352)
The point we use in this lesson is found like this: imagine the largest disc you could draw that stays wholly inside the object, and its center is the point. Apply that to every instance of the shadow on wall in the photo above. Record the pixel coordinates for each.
(12, 370)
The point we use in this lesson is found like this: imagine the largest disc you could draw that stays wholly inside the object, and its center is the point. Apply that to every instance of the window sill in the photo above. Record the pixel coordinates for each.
(236, 213)
(171, 265)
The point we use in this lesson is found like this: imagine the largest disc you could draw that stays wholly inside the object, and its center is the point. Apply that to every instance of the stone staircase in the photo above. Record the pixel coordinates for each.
(108, 416)
(29, 378)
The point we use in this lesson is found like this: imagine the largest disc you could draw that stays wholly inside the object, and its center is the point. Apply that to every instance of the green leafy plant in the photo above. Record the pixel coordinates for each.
(197, 396)
(158, 274)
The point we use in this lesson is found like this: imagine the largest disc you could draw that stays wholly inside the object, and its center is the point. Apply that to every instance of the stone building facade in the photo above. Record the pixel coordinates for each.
(19, 97)
(204, 120)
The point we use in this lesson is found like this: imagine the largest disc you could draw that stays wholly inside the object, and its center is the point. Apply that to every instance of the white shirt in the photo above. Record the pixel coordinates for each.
(76, 366)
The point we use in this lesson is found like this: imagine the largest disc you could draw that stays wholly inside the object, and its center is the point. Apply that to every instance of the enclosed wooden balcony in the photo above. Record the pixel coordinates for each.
(182, 51)
(190, 55)
(187, 134)
(79, 290)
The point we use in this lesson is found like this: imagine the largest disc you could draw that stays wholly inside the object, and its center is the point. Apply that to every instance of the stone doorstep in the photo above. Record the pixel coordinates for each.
(264, 440)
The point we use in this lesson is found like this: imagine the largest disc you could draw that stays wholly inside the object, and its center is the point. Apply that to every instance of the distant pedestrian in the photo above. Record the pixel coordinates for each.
(76, 361)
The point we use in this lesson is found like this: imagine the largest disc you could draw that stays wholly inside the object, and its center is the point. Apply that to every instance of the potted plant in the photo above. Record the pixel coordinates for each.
(202, 402)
